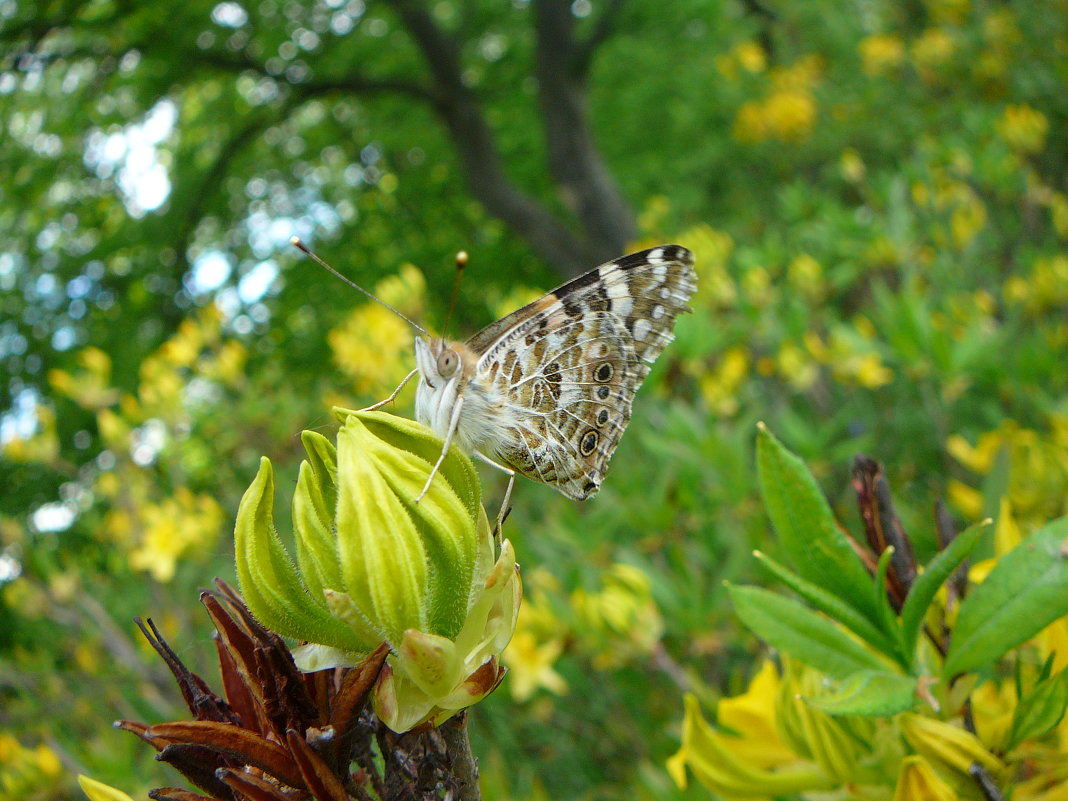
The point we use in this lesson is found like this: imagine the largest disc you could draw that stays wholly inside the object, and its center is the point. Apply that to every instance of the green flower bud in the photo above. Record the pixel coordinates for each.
(374, 565)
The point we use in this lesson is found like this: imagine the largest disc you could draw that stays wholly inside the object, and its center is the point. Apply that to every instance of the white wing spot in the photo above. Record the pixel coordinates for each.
(658, 312)
(641, 329)
(655, 256)
(660, 272)
(665, 292)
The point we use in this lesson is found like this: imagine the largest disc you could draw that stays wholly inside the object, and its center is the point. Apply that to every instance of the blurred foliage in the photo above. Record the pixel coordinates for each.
(878, 200)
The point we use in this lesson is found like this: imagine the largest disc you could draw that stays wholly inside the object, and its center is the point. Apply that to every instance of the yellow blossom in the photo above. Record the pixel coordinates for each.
(720, 385)
(918, 781)
(751, 56)
(1023, 128)
(98, 791)
(179, 524)
(1058, 209)
(790, 115)
(621, 622)
(931, 50)
(799, 371)
(881, 53)
(851, 166)
(968, 501)
(530, 662)
(752, 761)
(806, 275)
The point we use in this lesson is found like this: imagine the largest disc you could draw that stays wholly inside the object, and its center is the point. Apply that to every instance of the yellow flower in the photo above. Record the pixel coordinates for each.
(851, 166)
(372, 345)
(621, 622)
(968, 501)
(530, 664)
(98, 791)
(179, 525)
(932, 50)
(918, 781)
(800, 371)
(751, 56)
(1023, 128)
(881, 53)
(806, 275)
(790, 115)
(752, 762)
(719, 386)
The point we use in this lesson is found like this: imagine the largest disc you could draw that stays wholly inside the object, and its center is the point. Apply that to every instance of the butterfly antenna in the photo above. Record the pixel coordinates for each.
(295, 242)
(461, 262)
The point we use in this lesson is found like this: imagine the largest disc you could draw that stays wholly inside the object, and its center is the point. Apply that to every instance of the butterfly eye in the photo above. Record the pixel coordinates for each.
(448, 361)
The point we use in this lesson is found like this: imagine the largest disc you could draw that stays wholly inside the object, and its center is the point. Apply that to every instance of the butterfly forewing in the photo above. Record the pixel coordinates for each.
(566, 366)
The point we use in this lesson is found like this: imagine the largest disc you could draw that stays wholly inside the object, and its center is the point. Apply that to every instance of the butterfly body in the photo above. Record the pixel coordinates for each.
(548, 389)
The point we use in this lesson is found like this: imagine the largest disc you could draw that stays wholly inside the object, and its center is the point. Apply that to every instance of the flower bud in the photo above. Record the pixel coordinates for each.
(375, 564)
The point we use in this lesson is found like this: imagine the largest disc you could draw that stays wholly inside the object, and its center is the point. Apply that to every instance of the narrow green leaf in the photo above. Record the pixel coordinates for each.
(1040, 710)
(831, 605)
(798, 631)
(934, 575)
(887, 619)
(807, 529)
(1026, 591)
(869, 693)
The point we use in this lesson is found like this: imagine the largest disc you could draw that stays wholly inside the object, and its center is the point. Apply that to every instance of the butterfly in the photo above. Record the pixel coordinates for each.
(547, 390)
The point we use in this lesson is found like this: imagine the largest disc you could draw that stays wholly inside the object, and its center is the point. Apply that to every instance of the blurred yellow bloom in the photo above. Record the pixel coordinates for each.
(978, 459)
(620, 623)
(751, 56)
(881, 53)
(372, 346)
(28, 773)
(953, 12)
(530, 661)
(967, 221)
(790, 115)
(931, 50)
(966, 500)
(1058, 209)
(749, 123)
(918, 781)
(182, 523)
(1023, 128)
(806, 275)
(796, 367)
(720, 385)
(851, 166)
(756, 284)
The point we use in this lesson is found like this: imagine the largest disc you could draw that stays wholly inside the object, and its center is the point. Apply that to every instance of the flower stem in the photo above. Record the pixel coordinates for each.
(464, 763)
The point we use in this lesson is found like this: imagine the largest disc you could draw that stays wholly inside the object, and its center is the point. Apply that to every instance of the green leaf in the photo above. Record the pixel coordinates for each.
(1026, 591)
(831, 605)
(1040, 710)
(807, 529)
(934, 575)
(871, 693)
(798, 631)
(887, 619)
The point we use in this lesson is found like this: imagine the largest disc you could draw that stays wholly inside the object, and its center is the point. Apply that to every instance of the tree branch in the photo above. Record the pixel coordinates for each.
(586, 186)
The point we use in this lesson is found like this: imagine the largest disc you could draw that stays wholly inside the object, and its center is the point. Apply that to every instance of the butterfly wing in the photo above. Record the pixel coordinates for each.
(566, 367)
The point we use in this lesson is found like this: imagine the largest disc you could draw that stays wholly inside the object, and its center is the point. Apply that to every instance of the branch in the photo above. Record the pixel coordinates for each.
(464, 764)
(602, 29)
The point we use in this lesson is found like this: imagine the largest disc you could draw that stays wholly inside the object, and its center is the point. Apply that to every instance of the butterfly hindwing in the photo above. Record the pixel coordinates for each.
(567, 366)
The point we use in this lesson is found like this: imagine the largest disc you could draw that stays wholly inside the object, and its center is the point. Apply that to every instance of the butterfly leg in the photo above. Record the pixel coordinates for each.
(393, 395)
(453, 422)
(507, 492)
